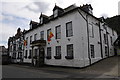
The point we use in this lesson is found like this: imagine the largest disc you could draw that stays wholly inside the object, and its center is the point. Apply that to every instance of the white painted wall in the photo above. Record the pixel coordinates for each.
(95, 40)
(79, 40)
(110, 34)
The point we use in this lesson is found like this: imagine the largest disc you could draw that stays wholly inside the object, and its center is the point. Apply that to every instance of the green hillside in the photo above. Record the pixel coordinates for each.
(114, 23)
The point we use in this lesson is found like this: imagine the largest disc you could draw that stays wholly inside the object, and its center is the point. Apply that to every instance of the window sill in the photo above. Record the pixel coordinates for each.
(19, 58)
(69, 57)
(57, 57)
(25, 57)
(34, 57)
(69, 36)
(48, 57)
(41, 38)
(13, 58)
(57, 40)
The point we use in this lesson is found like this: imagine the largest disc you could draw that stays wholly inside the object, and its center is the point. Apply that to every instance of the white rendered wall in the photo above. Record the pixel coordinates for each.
(79, 40)
(95, 40)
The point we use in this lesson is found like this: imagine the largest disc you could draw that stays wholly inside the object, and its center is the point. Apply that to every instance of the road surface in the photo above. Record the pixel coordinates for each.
(107, 68)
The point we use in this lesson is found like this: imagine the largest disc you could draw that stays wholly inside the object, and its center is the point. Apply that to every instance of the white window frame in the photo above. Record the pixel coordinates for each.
(106, 51)
(48, 33)
(55, 13)
(92, 51)
(105, 39)
(42, 35)
(69, 29)
(35, 37)
(58, 50)
(49, 50)
(70, 50)
(30, 39)
(58, 32)
(91, 30)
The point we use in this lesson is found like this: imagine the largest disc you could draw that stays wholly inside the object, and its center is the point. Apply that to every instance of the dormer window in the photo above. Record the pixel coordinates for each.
(33, 24)
(41, 20)
(55, 13)
(30, 26)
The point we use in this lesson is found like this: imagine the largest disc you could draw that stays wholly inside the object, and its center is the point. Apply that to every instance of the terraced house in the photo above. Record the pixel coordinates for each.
(71, 37)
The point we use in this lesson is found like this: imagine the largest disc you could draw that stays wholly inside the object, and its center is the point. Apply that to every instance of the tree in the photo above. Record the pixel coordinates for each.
(114, 23)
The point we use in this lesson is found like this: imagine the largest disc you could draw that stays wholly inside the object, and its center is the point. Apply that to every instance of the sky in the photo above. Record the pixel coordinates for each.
(19, 13)
(119, 8)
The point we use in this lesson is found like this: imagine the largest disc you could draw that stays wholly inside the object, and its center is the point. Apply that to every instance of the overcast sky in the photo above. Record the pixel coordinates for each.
(18, 13)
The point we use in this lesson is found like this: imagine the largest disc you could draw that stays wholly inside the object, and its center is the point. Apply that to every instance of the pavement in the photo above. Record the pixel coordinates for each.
(107, 68)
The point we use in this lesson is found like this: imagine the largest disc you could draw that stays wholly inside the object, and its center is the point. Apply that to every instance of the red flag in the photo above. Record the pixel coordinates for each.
(49, 39)
(25, 42)
(51, 35)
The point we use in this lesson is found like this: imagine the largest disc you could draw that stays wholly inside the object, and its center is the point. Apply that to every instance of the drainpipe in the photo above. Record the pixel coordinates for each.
(32, 56)
(86, 19)
(107, 42)
(100, 41)
(88, 39)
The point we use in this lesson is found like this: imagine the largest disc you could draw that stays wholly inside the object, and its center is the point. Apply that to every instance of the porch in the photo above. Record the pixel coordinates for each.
(39, 53)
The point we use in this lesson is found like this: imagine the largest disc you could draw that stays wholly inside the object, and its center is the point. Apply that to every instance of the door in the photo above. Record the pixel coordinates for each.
(41, 56)
(35, 57)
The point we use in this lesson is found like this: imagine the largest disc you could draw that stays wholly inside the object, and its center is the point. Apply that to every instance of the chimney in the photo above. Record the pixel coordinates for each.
(87, 8)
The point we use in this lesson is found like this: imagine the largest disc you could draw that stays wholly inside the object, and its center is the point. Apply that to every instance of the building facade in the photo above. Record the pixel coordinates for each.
(3, 50)
(16, 47)
(70, 37)
(4, 58)
(117, 45)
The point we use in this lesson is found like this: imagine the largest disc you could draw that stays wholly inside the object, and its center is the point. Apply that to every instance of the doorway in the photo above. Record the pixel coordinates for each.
(41, 57)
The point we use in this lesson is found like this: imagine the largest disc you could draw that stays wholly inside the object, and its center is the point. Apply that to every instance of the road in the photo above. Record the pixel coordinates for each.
(107, 68)
(15, 71)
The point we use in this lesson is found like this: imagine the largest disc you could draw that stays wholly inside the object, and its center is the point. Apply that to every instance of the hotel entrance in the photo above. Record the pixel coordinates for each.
(38, 53)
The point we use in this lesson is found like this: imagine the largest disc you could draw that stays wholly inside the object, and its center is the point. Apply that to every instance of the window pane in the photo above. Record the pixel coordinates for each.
(92, 51)
(18, 55)
(58, 32)
(35, 52)
(91, 33)
(41, 20)
(55, 13)
(30, 39)
(111, 40)
(42, 35)
(14, 55)
(30, 53)
(106, 51)
(27, 41)
(48, 33)
(35, 37)
(69, 31)
(49, 51)
(70, 50)
(26, 54)
(58, 50)
(105, 38)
